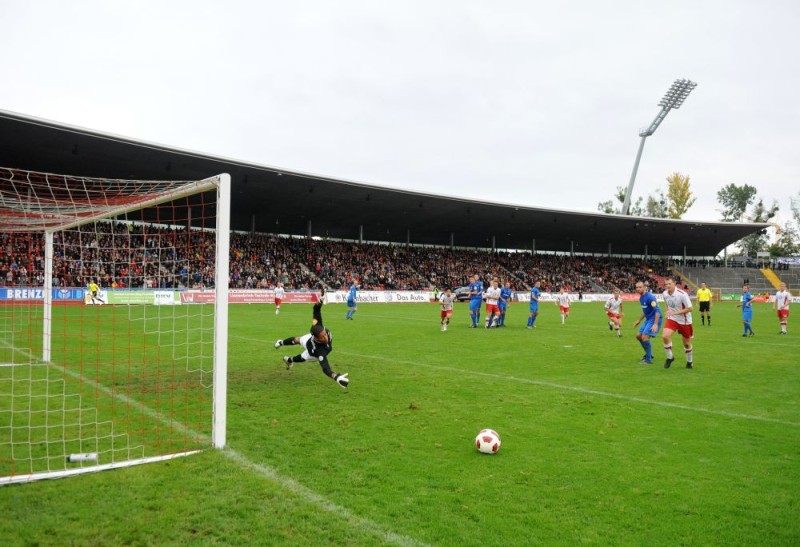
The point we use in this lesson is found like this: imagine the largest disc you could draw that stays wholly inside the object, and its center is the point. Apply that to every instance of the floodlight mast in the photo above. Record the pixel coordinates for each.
(673, 98)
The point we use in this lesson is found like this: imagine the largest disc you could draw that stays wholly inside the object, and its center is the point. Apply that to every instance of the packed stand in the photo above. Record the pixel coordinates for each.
(120, 254)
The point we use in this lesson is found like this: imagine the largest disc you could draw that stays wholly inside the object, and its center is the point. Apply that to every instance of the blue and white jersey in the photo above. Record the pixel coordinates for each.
(351, 296)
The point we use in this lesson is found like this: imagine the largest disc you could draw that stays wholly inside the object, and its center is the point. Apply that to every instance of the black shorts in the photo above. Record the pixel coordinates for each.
(705, 306)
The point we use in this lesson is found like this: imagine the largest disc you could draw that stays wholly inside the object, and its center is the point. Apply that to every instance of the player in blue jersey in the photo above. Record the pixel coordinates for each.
(534, 305)
(475, 300)
(747, 310)
(352, 304)
(651, 315)
(505, 297)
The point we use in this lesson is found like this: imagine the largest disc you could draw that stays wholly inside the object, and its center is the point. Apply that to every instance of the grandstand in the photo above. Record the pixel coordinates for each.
(730, 280)
(268, 199)
(121, 255)
(337, 231)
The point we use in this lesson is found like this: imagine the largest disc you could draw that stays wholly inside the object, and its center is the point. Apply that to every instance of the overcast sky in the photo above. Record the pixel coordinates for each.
(525, 102)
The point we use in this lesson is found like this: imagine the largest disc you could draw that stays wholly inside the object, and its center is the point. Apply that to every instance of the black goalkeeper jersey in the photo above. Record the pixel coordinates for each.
(314, 347)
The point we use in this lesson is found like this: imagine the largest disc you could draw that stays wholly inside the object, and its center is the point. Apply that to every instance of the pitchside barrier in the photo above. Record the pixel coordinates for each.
(169, 297)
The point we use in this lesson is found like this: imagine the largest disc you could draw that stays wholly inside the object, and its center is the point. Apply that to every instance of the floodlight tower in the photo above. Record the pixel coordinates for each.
(672, 99)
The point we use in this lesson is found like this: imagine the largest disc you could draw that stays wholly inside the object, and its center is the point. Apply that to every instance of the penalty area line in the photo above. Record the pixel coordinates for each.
(308, 495)
(580, 389)
(293, 486)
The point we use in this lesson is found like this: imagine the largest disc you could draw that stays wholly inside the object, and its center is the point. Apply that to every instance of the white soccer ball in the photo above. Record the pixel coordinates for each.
(487, 441)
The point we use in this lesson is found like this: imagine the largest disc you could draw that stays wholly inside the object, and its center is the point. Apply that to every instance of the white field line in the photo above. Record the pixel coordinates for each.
(578, 389)
(337, 510)
(308, 495)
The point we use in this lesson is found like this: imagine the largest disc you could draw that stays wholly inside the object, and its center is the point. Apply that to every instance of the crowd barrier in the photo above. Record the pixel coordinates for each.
(168, 297)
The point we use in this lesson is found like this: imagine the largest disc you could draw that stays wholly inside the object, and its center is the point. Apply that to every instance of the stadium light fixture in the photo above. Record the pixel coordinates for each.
(673, 98)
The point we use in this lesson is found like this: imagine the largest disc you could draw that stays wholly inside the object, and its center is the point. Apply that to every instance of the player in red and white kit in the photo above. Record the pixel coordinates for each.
(563, 301)
(279, 293)
(679, 318)
(446, 301)
(613, 309)
(492, 296)
(781, 305)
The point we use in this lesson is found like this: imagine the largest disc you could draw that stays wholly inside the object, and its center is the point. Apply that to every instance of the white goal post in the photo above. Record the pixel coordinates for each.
(103, 363)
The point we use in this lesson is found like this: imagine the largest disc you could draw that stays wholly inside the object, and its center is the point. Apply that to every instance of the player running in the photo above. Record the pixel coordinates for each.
(279, 294)
(781, 305)
(317, 344)
(614, 313)
(352, 303)
(651, 315)
(446, 301)
(94, 291)
(679, 318)
(563, 301)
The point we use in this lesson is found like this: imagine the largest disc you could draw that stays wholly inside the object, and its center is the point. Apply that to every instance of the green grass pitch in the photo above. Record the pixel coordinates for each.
(597, 449)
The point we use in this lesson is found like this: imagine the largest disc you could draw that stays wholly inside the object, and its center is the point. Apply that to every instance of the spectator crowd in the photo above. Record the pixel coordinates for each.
(119, 254)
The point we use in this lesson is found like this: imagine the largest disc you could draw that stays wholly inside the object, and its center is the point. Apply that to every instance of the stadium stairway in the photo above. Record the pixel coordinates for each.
(684, 278)
(774, 279)
(728, 279)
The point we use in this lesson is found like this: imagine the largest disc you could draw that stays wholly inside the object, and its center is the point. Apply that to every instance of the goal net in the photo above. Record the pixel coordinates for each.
(113, 321)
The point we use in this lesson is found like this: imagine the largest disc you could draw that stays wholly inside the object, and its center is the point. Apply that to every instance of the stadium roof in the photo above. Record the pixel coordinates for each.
(275, 200)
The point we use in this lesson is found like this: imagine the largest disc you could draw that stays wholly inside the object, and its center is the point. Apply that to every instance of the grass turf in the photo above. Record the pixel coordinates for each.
(597, 449)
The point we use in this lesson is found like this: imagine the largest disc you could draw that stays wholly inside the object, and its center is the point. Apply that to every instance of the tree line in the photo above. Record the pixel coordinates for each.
(740, 203)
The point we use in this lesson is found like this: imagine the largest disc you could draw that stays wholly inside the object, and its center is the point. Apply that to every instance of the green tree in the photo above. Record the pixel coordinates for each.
(757, 241)
(679, 195)
(735, 200)
(614, 206)
(787, 243)
(657, 206)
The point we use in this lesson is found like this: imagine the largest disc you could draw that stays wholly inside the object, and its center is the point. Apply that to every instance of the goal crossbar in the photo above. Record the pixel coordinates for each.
(40, 208)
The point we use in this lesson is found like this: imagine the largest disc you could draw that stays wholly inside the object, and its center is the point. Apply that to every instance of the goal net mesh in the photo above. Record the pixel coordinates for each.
(102, 362)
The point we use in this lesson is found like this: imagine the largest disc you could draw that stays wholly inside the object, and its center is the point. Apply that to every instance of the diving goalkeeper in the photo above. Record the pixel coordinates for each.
(317, 344)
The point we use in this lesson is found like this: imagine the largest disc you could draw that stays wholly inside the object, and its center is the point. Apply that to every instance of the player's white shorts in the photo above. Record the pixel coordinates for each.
(303, 341)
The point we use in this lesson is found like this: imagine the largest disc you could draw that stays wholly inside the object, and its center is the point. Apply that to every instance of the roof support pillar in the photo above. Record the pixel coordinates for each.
(361, 233)
(645, 251)
(408, 237)
(494, 244)
(572, 248)
(533, 246)
(452, 240)
(252, 224)
(308, 232)
(609, 249)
